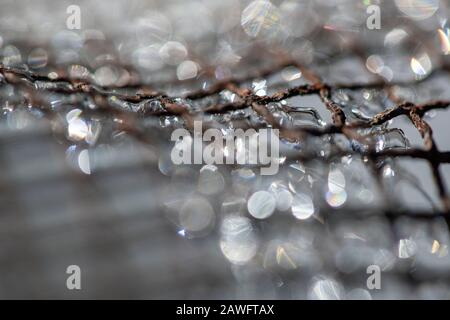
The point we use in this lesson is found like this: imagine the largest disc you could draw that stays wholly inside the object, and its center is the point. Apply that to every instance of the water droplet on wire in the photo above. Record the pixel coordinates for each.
(302, 206)
(260, 18)
(37, 58)
(196, 215)
(421, 65)
(418, 9)
(210, 180)
(238, 242)
(261, 204)
(187, 70)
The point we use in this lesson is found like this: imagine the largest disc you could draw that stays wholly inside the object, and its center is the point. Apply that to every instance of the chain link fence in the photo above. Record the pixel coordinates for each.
(87, 178)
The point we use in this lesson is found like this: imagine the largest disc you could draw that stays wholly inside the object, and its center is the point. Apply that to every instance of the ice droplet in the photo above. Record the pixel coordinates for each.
(238, 243)
(196, 215)
(261, 204)
(260, 18)
(302, 206)
(210, 180)
(187, 70)
(173, 52)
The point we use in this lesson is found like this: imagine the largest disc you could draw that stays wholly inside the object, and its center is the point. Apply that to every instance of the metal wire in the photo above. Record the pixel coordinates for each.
(111, 222)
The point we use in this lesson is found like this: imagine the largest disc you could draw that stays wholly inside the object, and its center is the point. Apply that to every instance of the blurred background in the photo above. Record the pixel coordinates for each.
(87, 96)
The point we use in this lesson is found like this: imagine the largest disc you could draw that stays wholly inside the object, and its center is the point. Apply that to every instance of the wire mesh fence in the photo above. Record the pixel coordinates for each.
(88, 180)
